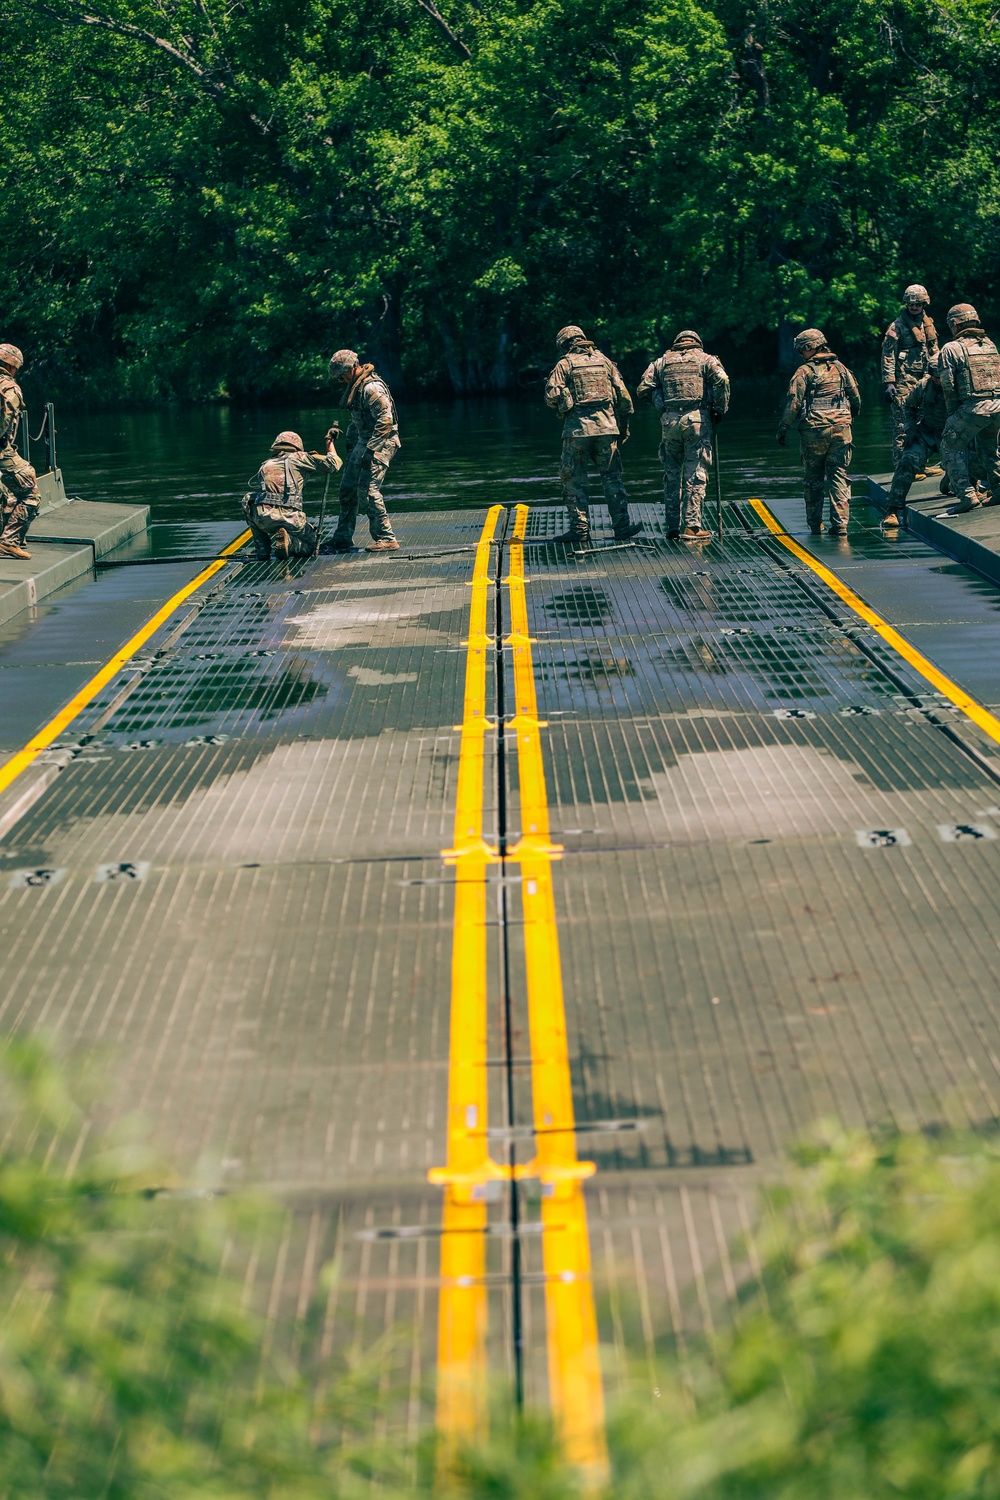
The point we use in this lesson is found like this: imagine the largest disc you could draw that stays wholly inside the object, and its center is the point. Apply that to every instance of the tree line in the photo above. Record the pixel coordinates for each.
(203, 197)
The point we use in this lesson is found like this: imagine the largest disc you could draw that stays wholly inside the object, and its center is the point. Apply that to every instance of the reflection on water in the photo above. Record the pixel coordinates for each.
(193, 463)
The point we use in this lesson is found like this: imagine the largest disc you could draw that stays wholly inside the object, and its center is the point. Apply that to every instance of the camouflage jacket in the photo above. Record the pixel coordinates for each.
(11, 410)
(587, 389)
(373, 412)
(906, 348)
(822, 396)
(925, 407)
(685, 380)
(280, 478)
(970, 370)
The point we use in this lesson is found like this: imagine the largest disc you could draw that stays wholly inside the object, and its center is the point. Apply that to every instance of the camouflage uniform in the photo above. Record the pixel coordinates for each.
(274, 501)
(970, 380)
(373, 440)
(925, 412)
(587, 390)
(19, 496)
(909, 345)
(822, 401)
(688, 388)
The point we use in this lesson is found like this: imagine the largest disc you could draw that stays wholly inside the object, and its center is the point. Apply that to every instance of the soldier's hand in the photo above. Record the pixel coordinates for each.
(781, 439)
(717, 417)
(889, 392)
(623, 435)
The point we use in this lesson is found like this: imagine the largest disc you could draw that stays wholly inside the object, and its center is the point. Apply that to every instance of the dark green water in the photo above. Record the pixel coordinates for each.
(192, 464)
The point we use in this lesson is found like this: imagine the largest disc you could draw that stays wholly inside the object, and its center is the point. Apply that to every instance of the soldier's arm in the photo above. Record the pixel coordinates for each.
(932, 342)
(557, 394)
(623, 401)
(718, 384)
(315, 463)
(380, 408)
(648, 389)
(889, 346)
(946, 369)
(793, 401)
(853, 394)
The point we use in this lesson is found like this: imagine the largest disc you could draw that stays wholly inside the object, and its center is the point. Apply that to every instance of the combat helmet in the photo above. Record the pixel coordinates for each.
(342, 363)
(916, 293)
(688, 339)
(567, 336)
(963, 315)
(286, 441)
(808, 342)
(11, 355)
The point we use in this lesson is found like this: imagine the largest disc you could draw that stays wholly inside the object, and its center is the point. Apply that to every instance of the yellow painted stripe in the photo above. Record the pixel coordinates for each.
(10, 771)
(462, 1305)
(571, 1320)
(944, 685)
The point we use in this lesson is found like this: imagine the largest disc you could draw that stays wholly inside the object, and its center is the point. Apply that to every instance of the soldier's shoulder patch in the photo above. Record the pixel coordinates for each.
(892, 332)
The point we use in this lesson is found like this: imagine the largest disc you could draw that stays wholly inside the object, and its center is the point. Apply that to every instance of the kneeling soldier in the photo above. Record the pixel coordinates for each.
(587, 390)
(690, 390)
(970, 378)
(925, 414)
(273, 504)
(20, 500)
(822, 401)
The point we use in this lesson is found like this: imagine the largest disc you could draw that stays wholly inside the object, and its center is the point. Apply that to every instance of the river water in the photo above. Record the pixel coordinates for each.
(192, 464)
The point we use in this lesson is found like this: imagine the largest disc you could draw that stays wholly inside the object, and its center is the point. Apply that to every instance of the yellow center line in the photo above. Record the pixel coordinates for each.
(950, 690)
(45, 736)
(462, 1305)
(571, 1321)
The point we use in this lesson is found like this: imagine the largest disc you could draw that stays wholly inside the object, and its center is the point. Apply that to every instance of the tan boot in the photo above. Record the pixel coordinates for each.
(890, 519)
(281, 543)
(14, 549)
(695, 534)
(384, 544)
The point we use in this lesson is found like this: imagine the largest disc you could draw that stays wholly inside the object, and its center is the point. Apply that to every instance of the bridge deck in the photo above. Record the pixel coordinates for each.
(775, 901)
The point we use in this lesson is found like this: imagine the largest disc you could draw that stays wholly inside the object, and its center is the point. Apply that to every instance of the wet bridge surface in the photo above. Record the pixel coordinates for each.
(583, 884)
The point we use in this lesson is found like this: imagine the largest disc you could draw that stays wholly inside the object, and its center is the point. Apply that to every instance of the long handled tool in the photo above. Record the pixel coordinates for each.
(334, 433)
(718, 481)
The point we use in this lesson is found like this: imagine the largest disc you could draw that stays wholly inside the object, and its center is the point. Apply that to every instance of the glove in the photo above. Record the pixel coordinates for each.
(781, 439)
(334, 433)
(889, 392)
(623, 434)
(717, 417)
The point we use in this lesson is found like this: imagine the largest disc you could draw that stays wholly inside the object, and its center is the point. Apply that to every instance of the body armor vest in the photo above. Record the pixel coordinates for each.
(680, 377)
(277, 483)
(911, 346)
(360, 410)
(825, 390)
(979, 377)
(589, 381)
(11, 418)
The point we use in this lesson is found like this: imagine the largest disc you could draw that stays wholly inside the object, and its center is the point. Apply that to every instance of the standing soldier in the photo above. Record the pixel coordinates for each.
(586, 389)
(970, 379)
(273, 504)
(910, 343)
(19, 497)
(822, 402)
(690, 390)
(925, 412)
(373, 441)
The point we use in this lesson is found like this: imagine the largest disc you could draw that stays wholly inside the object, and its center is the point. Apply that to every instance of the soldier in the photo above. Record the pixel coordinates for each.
(373, 441)
(822, 401)
(19, 497)
(910, 342)
(690, 390)
(970, 379)
(925, 413)
(273, 504)
(586, 389)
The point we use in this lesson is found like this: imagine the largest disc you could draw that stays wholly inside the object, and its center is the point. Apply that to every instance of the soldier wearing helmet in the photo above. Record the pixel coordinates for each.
(587, 391)
(372, 443)
(970, 380)
(910, 342)
(690, 390)
(822, 402)
(926, 413)
(20, 500)
(273, 503)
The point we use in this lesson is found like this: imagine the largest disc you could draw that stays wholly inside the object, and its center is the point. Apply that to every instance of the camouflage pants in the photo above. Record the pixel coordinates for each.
(20, 500)
(913, 459)
(897, 413)
(971, 434)
(826, 456)
(361, 488)
(686, 456)
(578, 455)
(265, 520)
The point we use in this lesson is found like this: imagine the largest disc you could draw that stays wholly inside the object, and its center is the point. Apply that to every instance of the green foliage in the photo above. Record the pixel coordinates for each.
(203, 197)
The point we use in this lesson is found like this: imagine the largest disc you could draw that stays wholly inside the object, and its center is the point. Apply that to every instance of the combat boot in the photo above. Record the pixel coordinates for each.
(890, 518)
(630, 528)
(14, 549)
(384, 544)
(695, 534)
(281, 543)
(338, 544)
(838, 528)
(570, 539)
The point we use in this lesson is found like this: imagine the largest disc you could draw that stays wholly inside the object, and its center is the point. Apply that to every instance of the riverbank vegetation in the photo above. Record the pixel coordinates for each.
(862, 1359)
(203, 197)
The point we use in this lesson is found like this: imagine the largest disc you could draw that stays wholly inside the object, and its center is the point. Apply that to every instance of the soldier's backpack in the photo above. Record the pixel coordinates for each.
(589, 381)
(980, 377)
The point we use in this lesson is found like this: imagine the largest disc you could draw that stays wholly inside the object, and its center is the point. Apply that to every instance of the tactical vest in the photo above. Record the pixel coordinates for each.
(932, 410)
(589, 381)
(825, 390)
(277, 483)
(911, 344)
(681, 377)
(358, 406)
(11, 417)
(979, 377)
